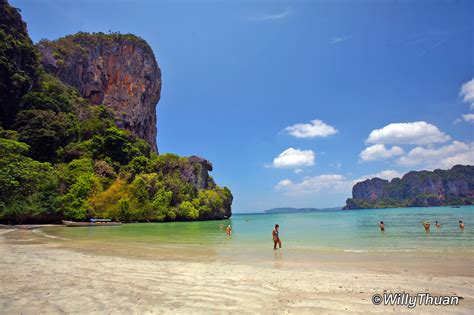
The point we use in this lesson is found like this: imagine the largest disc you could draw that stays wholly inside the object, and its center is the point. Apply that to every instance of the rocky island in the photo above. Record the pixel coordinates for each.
(78, 133)
(416, 189)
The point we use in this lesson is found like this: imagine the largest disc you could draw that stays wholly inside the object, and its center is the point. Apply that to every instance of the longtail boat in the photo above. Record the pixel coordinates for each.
(94, 222)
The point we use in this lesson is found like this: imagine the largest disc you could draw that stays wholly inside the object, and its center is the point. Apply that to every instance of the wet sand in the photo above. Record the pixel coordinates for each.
(43, 276)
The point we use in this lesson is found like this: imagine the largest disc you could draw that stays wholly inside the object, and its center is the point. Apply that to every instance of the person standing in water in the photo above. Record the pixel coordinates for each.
(427, 226)
(382, 226)
(228, 231)
(437, 224)
(461, 225)
(276, 236)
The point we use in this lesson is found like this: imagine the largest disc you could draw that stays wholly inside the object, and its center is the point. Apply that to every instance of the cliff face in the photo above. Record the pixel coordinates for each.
(440, 187)
(63, 157)
(18, 63)
(118, 71)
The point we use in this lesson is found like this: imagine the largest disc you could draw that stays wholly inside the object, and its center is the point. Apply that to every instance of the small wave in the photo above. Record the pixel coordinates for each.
(356, 250)
(38, 231)
(396, 250)
(5, 231)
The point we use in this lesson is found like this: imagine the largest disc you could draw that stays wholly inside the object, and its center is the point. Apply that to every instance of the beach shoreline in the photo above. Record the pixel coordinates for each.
(42, 276)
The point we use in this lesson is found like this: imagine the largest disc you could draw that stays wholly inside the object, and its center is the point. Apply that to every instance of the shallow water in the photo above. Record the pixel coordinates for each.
(346, 231)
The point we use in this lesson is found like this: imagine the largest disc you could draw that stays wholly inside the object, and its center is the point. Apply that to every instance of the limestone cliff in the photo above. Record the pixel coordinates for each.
(414, 189)
(118, 71)
(61, 155)
(18, 63)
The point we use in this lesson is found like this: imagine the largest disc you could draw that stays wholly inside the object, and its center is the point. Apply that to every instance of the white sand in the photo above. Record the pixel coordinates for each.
(43, 279)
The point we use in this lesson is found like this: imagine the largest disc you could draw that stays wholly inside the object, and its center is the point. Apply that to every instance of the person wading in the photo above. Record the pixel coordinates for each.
(276, 237)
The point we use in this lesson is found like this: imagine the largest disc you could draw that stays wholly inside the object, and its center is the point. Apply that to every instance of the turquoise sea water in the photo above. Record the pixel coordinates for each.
(335, 231)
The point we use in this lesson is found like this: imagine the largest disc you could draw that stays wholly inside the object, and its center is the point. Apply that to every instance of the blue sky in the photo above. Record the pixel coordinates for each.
(295, 101)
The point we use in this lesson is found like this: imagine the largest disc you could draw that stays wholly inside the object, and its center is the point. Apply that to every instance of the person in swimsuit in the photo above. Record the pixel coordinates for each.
(461, 225)
(427, 226)
(437, 224)
(382, 226)
(228, 231)
(276, 237)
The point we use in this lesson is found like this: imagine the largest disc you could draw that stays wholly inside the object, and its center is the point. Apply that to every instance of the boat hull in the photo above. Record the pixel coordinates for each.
(87, 224)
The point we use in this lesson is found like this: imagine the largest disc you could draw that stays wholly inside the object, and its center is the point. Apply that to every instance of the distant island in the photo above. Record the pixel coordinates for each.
(300, 210)
(416, 189)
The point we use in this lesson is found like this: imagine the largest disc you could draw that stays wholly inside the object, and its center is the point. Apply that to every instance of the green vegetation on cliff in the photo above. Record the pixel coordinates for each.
(62, 157)
(19, 62)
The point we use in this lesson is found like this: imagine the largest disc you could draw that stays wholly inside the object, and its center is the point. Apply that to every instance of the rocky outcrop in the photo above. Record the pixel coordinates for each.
(423, 188)
(118, 71)
(199, 176)
(18, 63)
(370, 189)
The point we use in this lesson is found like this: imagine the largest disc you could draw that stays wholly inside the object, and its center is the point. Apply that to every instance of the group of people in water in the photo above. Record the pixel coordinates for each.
(277, 240)
(275, 235)
(426, 225)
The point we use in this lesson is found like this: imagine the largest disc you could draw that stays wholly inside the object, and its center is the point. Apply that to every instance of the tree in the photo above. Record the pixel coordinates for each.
(161, 205)
(118, 145)
(27, 187)
(44, 131)
(188, 211)
(74, 202)
(19, 63)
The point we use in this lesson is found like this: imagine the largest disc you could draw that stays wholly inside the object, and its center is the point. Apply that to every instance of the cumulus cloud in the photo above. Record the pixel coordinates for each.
(419, 132)
(442, 157)
(467, 92)
(316, 128)
(294, 158)
(379, 151)
(386, 174)
(468, 118)
(328, 183)
(284, 184)
(313, 184)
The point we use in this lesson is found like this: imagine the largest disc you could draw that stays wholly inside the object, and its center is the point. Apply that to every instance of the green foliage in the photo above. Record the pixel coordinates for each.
(74, 169)
(62, 157)
(44, 131)
(188, 211)
(74, 203)
(420, 189)
(19, 63)
(27, 187)
(81, 43)
(161, 205)
(117, 145)
(8, 134)
(52, 94)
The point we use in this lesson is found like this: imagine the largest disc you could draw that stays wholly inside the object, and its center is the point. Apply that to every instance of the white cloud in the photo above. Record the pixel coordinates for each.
(386, 174)
(298, 171)
(294, 158)
(443, 157)
(339, 39)
(468, 118)
(313, 184)
(329, 183)
(316, 128)
(272, 17)
(418, 132)
(284, 184)
(467, 92)
(378, 151)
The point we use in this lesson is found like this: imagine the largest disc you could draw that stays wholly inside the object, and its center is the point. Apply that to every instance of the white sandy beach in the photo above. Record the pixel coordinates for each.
(39, 278)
